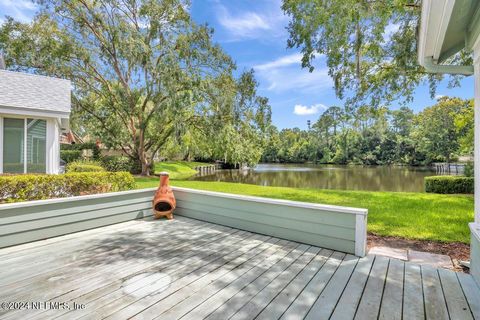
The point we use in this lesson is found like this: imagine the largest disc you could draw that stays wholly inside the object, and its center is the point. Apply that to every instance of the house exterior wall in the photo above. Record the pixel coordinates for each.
(475, 227)
(476, 66)
(52, 141)
(435, 44)
(29, 96)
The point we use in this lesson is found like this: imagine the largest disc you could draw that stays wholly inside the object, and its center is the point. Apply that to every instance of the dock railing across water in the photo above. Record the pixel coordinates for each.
(449, 168)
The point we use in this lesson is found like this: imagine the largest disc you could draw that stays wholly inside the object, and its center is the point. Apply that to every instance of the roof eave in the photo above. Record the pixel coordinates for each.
(433, 27)
(473, 31)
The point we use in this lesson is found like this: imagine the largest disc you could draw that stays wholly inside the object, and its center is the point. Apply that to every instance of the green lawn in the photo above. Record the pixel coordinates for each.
(178, 169)
(421, 216)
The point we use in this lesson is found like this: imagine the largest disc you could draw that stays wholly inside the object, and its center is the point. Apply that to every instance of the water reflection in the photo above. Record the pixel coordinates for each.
(375, 178)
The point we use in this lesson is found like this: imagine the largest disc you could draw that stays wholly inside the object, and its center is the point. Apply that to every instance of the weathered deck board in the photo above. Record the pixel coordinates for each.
(435, 306)
(230, 307)
(119, 299)
(195, 270)
(281, 302)
(136, 266)
(199, 297)
(457, 305)
(267, 294)
(347, 305)
(60, 251)
(392, 299)
(326, 302)
(304, 301)
(152, 299)
(108, 258)
(470, 289)
(413, 305)
(97, 251)
(372, 296)
(159, 304)
(113, 295)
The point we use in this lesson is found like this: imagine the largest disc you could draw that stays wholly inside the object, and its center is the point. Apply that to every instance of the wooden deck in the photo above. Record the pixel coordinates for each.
(196, 270)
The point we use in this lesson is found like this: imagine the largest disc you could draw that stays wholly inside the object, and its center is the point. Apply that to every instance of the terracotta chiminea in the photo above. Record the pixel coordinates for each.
(164, 201)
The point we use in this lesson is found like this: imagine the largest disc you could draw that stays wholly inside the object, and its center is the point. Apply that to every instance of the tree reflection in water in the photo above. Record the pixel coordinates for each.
(373, 178)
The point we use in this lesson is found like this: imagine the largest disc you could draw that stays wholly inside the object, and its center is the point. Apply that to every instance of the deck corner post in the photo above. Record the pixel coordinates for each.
(361, 234)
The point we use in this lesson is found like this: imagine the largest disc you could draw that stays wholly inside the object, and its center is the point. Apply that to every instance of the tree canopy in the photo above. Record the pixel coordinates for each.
(233, 128)
(369, 47)
(142, 71)
(379, 136)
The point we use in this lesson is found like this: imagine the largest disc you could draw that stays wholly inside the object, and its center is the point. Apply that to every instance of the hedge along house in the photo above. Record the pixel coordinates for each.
(34, 110)
(447, 27)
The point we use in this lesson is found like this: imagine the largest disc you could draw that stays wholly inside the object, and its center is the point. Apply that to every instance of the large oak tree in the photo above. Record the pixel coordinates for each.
(139, 67)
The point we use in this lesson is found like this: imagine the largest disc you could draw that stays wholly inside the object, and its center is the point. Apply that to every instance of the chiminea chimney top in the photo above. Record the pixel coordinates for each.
(2, 62)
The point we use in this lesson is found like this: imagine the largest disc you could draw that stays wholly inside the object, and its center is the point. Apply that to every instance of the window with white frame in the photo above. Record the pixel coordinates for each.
(24, 145)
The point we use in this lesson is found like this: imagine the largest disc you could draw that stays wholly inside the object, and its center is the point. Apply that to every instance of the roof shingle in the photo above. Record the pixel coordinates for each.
(24, 90)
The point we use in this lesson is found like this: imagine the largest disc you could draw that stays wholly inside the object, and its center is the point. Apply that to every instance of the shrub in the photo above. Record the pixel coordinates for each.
(85, 166)
(123, 163)
(449, 184)
(469, 170)
(117, 163)
(137, 168)
(70, 155)
(83, 146)
(37, 187)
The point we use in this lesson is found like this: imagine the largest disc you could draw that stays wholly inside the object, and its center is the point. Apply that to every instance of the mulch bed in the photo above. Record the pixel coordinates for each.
(456, 250)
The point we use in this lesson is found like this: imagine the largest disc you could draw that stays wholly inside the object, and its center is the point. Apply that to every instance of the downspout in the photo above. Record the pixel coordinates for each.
(432, 67)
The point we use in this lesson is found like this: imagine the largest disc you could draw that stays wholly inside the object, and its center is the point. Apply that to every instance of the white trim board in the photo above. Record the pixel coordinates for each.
(26, 112)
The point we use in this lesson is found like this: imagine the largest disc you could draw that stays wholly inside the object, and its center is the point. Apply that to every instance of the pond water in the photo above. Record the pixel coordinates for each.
(374, 178)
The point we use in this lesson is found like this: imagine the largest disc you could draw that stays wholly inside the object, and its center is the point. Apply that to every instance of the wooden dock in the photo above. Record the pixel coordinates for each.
(449, 168)
(189, 269)
(207, 170)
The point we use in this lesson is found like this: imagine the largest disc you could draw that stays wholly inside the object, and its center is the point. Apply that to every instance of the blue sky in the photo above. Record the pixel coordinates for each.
(253, 33)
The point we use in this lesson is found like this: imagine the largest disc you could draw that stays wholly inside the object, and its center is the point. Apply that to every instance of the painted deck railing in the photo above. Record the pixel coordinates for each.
(333, 227)
(23, 222)
(475, 251)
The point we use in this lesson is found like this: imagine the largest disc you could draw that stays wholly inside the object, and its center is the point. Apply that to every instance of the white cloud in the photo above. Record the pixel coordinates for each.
(280, 62)
(439, 96)
(243, 24)
(298, 79)
(263, 21)
(285, 73)
(391, 29)
(21, 10)
(305, 110)
(19, 4)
